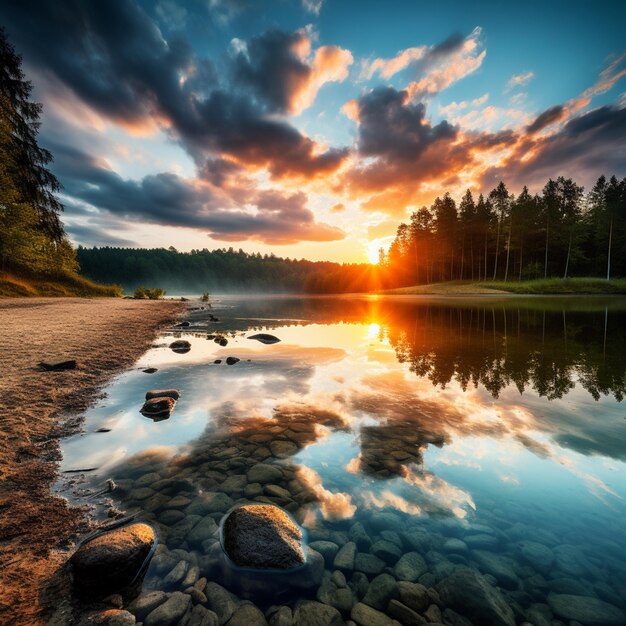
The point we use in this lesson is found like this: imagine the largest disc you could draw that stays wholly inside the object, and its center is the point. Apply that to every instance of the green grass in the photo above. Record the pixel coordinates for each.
(12, 286)
(562, 286)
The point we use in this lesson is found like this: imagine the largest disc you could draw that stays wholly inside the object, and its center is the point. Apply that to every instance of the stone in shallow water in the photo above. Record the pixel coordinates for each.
(344, 560)
(310, 613)
(380, 591)
(247, 615)
(262, 536)
(172, 611)
(538, 555)
(586, 610)
(264, 473)
(469, 593)
(265, 338)
(112, 560)
(181, 346)
(410, 567)
(365, 615)
(158, 408)
(498, 566)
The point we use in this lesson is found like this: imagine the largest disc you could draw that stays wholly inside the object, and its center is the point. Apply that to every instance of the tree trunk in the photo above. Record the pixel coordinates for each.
(508, 251)
(545, 264)
(495, 262)
(521, 257)
(608, 262)
(485, 272)
(569, 249)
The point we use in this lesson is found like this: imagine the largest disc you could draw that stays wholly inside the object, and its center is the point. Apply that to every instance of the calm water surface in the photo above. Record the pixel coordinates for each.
(489, 434)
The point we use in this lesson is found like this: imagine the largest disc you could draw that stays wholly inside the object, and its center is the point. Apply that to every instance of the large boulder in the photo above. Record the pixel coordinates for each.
(180, 346)
(113, 560)
(158, 408)
(469, 593)
(262, 536)
(585, 610)
(163, 393)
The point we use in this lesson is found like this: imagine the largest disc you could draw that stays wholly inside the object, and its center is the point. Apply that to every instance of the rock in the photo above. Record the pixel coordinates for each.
(570, 560)
(311, 613)
(201, 616)
(368, 564)
(231, 360)
(365, 615)
(386, 550)
(282, 449)
(327, 549)
(359, 535)
(217, 502)
(177, 574)
(538, 555)
(455, 546)
(108, 617)
(146, 603)
(382, 589)
(414, 595)
(262, 536)
(247, 615)
(282, 617)
(344, 560)
(156, 408)
(277, 492)
(481, 541)
(171, 611)
(58, 366)
(264, 338)
(203, 530)
(589, 611)
(234, 483)
(469, 593)
(180, 346)
(220, 602)
(150, 370)
(264, 473)
(410, 567)
(498, 566)
(113, 560)
(163, 393)
(569, 586)
(405, 615)
(330, 594)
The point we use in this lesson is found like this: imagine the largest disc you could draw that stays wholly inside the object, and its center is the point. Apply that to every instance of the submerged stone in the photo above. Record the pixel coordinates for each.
(181, 346)
(586, 610)
(158, 408)
(262, 536)
(265, 338)
(113, 560)
(163, 393)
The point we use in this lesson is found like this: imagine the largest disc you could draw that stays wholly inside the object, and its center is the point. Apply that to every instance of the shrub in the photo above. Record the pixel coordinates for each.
(143, 293)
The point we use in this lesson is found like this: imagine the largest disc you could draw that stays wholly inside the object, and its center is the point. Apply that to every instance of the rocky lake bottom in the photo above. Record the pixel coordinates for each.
(457, 463)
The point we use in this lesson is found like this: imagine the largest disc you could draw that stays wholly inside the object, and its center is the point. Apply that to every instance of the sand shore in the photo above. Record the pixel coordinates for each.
(37, 408)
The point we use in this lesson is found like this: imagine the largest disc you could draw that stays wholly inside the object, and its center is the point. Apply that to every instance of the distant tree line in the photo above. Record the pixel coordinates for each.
(32, 239)
(561, 232)
(222, 270)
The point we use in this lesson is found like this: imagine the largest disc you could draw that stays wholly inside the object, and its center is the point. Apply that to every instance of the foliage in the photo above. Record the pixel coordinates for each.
(205, 297)
(563, 286)
(63, 285)
(143, 293)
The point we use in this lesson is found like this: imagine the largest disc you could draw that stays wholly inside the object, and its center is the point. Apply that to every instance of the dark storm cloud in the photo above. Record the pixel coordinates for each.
(94, 234)
(592, 142)
(393, 128)
(271, 67)
(168, 199)
(549, 116)
(114, 57)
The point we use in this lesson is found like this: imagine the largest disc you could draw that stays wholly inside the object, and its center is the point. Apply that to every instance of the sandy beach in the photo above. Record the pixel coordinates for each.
(105, 336)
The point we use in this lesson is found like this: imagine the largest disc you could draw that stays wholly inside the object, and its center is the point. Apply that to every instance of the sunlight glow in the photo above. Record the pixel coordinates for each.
(372, 252)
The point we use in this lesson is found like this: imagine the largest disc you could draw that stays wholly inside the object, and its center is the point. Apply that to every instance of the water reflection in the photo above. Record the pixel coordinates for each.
(495, 424)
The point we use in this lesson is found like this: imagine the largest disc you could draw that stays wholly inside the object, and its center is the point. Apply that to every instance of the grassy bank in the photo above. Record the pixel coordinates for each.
(550, 286)
(13, 286)
(557, 286)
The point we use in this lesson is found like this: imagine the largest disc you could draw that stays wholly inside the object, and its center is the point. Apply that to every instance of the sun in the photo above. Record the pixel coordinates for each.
(372, 252)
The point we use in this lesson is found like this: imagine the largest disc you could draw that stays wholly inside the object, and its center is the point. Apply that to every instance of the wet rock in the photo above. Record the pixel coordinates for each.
(311, 613)
(368, 564)
(171, 612)
(177, 574)
(277, 491)
(264, 473)
(58, 366)
(410, 567)
(150, 370)
(419, 539)
(283, 449)
(469, 593)
(359, 535)
(481, 541)
(262, 536)
(455, 546)
(163, 393)
(264, 338)
(327, 549)
(231, 360)
(203, 530)
(570, 560)
(146, 603)
(108, 617)
(201, 616)
(247, 615)
(234, 483)
(569, 586)
(156, 408)
(498, 566)
(218, 502)
(283, 616)
(113, 560)
(221, 602)
(589, 611)
(180, 346)
(405, 615)
(385, 520)
(387, 551)
(330, 594)
(365, 615)
(538, 555)
(344, 560)
(380, 591)
(414, 595)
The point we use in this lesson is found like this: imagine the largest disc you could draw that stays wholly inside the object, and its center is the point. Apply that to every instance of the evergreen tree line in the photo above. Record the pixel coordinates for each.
(561, 232)
(32, 239)
(222, 270)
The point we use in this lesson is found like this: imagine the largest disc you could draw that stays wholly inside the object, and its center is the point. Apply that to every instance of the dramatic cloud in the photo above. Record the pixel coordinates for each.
(282, 72)
(549, 116)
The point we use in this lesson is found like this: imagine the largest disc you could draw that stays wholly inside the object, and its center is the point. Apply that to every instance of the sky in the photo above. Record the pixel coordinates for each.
(312, 128)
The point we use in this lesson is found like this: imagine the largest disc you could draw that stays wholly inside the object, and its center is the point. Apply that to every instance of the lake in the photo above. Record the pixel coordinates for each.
(451, 460)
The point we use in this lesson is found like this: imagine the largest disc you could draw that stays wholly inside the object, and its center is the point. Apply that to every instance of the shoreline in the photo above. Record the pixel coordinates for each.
(106, 336)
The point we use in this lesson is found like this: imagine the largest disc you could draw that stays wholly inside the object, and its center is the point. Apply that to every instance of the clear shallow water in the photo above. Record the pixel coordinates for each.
(488, 433)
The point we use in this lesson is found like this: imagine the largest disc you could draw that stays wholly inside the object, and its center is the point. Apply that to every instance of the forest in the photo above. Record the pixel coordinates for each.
(558, 233)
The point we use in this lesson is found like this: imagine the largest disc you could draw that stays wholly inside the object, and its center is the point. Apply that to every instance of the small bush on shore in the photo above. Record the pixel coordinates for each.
(144, 293)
